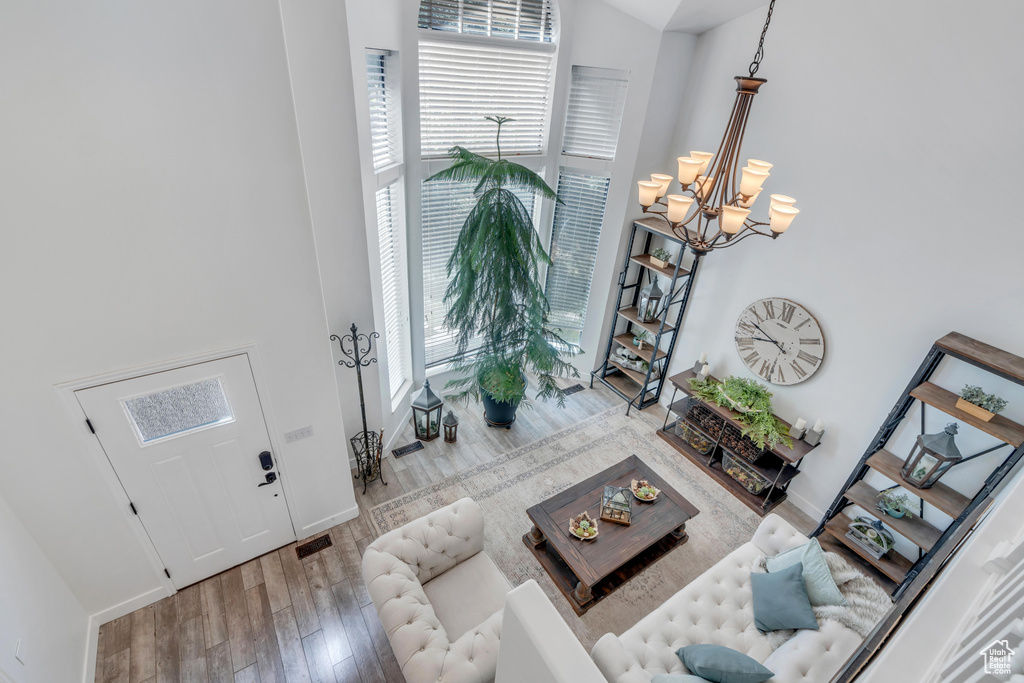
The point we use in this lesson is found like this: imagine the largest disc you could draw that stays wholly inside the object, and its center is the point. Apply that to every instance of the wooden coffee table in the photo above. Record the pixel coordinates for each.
(588, 571)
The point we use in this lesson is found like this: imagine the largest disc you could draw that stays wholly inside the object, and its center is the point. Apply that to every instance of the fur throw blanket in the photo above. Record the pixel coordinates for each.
(866, 601)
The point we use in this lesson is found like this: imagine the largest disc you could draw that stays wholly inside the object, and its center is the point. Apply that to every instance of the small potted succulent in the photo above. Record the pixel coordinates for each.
(583, 527)
(894, 504)
(644, 490)
(975, 401)
(661, 257)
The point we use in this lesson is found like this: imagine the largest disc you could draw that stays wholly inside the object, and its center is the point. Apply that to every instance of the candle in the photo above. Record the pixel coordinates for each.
(703, 357)
(800, 423)
(705, 371)
(819, 426)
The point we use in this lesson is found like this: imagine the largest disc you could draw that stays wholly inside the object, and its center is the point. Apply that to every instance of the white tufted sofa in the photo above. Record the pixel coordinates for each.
(717, 608)
(439, 596)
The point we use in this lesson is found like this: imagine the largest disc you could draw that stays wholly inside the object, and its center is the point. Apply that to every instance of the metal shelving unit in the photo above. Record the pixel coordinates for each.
(642, 389)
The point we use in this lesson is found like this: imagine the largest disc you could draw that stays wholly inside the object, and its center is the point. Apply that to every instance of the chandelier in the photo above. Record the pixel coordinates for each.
(720, 194)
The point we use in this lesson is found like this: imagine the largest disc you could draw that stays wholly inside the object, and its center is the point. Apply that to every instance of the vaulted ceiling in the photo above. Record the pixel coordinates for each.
(685, 16)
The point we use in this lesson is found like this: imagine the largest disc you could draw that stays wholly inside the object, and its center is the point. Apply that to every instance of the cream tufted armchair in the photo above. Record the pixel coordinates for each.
(439, 596)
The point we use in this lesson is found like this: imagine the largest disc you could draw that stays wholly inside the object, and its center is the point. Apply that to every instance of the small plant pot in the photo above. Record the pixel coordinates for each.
(976, 411)
(658, 262)
(892, 512)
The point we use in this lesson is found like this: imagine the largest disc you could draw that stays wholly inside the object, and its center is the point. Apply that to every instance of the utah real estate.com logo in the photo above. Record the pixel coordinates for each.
(997, 657)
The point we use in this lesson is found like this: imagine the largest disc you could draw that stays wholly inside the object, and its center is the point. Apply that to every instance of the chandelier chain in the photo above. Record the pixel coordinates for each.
(760, 45)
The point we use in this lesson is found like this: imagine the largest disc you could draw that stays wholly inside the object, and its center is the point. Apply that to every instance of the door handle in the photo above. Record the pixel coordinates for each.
(271, 478)
(266, 461)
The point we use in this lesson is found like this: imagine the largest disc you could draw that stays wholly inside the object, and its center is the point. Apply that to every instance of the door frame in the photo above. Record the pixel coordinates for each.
(91, 443)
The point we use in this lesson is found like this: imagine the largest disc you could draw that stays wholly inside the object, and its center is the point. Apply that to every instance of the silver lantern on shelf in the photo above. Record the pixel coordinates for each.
(650, 301)
(931, 457)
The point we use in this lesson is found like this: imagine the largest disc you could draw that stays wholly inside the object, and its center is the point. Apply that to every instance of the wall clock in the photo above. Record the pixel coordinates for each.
(780, 341)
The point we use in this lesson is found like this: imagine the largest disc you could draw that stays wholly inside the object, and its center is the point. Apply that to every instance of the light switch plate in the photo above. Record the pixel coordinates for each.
(297, 434)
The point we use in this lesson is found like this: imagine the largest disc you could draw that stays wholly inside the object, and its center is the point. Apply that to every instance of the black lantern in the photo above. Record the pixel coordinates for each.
(426, 413)
(650, 301)
(931, 456)
(451, 427)
(615, 504)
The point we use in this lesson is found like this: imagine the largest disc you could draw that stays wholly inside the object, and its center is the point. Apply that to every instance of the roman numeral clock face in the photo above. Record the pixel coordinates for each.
(780, 341)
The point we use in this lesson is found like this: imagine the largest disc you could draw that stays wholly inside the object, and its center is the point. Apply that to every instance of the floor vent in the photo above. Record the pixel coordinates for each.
(314, 546)
(576, 388)
(406, 450)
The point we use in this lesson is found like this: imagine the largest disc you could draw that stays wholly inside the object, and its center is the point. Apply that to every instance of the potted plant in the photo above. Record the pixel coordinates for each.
(660, 257)
(975, 401)
(894, 504)
(752, 403)
(496, 298)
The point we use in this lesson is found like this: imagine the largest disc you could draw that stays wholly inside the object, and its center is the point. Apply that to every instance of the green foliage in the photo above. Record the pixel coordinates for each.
(495, 294)
(662, 254)
(752, 402)
(977, 396)
(896, 501)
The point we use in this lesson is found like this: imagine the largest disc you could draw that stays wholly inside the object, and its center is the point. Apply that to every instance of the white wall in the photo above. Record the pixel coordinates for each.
(37, 608)
(894, 127)
(154, 207)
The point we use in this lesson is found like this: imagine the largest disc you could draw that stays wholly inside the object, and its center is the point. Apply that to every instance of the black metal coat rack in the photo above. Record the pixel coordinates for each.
(367, 444)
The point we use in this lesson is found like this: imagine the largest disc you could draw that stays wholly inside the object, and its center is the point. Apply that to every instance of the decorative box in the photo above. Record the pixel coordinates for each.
(740, 445)
(871, 536)
(695, 438)
(741, 471)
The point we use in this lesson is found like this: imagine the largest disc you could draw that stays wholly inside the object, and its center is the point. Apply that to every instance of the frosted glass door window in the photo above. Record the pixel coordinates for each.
(178, 410)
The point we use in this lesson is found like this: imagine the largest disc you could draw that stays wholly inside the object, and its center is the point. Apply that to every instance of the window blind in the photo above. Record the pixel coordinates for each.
(574, 240)
(530, 20)
(597, 98)
(445, 206)
(395, 289)
(460, 84)
(384, 112)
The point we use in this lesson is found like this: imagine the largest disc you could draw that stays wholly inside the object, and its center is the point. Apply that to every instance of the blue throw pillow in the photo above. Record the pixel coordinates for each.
(821, 587)
(677, 678)
(721, 665)
(781, 602)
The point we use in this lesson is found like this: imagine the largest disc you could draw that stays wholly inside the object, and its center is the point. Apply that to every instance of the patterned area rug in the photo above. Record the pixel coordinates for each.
(508, 485)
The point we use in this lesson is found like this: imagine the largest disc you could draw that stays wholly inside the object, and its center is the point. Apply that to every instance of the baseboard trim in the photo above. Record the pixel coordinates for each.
(328, 522)
(806, 506)
(109, 614)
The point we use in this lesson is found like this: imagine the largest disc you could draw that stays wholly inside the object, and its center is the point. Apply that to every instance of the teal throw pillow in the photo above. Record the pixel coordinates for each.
(781, 602)
(721, 665)
(821, 587)
(677, 678)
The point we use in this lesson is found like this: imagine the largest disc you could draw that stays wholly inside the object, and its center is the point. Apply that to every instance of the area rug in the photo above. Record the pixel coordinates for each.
(508, 485)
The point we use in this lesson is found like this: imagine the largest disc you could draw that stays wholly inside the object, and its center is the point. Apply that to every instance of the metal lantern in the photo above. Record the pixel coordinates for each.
(650, 301)
(426, 413)
(615, 504)
(451, 427)
(931, 456)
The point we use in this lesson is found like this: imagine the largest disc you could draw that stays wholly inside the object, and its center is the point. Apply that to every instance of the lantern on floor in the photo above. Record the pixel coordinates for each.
(931, 456)
(615, 504)
(451, 427)
(426, 413)
(650, 301)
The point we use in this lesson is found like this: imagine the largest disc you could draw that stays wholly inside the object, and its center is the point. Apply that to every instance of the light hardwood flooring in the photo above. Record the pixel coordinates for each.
(277, 618)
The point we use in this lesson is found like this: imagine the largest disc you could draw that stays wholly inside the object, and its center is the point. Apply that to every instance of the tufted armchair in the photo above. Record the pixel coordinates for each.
(439, 596)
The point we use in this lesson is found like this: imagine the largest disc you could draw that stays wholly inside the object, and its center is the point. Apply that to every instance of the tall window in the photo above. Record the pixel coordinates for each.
(386, 146)
(504, 69)
(597, 98)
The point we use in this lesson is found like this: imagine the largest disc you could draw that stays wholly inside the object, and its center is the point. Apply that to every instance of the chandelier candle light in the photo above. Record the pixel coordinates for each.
(713, 210)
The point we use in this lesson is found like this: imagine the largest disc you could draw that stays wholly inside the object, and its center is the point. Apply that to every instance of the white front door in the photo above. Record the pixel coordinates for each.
(186, 445)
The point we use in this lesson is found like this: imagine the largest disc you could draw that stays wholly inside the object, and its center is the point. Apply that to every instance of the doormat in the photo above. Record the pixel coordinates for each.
(574, 389)
(314, 546)
(406, 450)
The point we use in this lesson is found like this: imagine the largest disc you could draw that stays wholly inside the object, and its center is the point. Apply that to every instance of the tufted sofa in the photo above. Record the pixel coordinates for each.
(717, 608)
(439, 596)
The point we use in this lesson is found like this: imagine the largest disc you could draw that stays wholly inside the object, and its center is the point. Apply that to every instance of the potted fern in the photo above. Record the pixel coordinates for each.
(495, 297)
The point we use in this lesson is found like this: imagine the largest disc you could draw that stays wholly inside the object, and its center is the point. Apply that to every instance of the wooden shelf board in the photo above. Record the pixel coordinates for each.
(632, 314)
(755, 503)
(659, 226)
(914, 529)
(892, 564)
(792, 455)
(668, 271)
(830, 544)
(941, 496)
(626, 340)
(998, 427)
(981, 354)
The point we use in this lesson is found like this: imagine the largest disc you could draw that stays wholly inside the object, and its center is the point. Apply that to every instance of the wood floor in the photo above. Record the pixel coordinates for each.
(281, 619)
